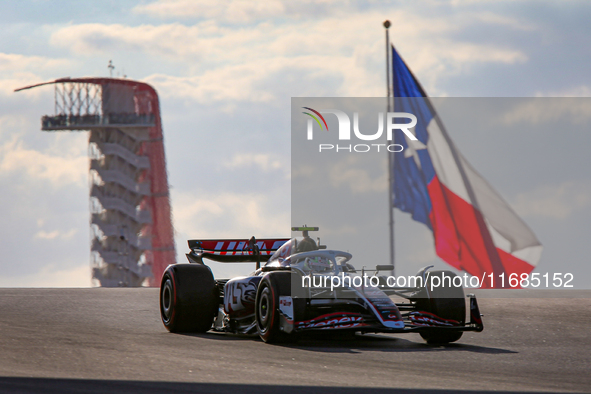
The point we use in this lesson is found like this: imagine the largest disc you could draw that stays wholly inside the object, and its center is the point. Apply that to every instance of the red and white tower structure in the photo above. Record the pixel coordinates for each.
(132, 237)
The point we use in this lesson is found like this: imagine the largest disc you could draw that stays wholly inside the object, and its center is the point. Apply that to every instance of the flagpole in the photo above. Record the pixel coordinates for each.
(390, 158)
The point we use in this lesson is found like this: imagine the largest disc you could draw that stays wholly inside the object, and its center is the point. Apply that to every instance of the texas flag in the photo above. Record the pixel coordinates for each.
(474, 229)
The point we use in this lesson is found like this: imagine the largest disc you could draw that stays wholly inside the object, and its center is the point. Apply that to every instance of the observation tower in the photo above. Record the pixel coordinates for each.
(132, 238)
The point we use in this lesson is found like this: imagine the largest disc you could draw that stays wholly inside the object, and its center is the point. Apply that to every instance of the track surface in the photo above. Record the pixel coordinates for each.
(112, 340)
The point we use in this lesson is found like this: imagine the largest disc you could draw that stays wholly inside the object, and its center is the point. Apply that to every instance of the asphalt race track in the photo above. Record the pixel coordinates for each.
(111, 340)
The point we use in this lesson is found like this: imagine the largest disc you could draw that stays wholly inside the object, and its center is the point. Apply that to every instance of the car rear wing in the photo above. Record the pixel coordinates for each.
(233, 250)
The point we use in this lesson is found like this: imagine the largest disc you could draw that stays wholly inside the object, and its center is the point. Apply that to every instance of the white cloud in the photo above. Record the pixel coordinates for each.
(545, 109)
(51, 276)
(328, 37)
(11, 122)
(18, 62)
(267, 80)
(55, 234)
(336, 55)
(577, 91)
(231, 83)
(227, 215)
(208, 215)
(170, 39)
(350, 174)
(238, 11)
(18, 79)
(19, 71)
(265, 162)
(57, 164)
(555, 201)
(504, 20)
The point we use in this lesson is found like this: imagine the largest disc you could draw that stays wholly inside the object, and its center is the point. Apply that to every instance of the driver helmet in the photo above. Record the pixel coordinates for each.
(306, 245)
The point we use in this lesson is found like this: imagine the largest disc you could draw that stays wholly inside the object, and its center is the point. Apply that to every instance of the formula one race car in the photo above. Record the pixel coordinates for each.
(294, 292)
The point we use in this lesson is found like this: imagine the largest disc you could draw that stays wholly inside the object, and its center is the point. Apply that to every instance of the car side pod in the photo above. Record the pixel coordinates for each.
(475, 315)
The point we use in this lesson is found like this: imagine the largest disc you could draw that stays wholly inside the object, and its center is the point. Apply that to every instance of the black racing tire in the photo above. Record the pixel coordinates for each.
(189, 298)
(446, 302)
(271, 287)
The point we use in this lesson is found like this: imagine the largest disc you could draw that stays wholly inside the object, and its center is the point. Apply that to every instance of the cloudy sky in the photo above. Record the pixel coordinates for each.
(225, 72)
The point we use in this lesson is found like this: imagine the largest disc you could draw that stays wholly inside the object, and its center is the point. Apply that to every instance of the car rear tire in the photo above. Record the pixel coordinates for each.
(271, 287)
(447, 302)
(189, 298)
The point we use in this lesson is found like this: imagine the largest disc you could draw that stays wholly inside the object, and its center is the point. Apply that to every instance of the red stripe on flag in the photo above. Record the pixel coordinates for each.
(458, 239)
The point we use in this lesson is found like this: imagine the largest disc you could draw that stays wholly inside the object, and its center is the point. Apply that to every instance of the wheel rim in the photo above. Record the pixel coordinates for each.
(166, 300)
(264, 310)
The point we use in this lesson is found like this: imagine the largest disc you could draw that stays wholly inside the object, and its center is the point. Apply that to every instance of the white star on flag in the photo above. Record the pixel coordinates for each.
(412, 148)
